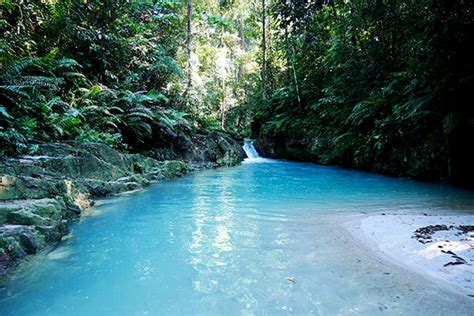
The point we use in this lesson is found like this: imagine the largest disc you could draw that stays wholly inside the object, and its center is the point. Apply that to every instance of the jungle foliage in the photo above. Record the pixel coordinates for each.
(381, 85)
(114, 71)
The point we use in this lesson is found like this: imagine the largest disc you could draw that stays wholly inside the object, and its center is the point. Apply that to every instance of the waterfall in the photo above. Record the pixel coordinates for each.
(250, 150)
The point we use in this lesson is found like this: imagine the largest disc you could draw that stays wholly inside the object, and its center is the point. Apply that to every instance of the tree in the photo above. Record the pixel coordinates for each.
(189, 43)
(358, 79)
(264, 50)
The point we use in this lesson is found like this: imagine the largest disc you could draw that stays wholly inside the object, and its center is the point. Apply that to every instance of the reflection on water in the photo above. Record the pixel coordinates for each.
(256, 239)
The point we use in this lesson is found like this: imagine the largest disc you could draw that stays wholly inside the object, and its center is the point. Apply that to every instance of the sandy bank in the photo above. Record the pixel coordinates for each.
(439, 247)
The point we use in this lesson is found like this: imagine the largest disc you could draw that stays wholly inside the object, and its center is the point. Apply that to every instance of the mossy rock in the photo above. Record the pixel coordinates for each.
(203, 147)
(229, 159)
(139, 164)
(174, 168)
(51, 209)
(24, 188)
(3, 244)
(54, 233)
(107, 154)
(6, 208)
(106, 188)
(12, 249)
(24, 217)
(21, 240)
(39, 195)
(25, 167)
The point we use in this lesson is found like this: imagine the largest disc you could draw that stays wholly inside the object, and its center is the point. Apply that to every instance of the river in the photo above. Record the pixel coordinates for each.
(260, 238)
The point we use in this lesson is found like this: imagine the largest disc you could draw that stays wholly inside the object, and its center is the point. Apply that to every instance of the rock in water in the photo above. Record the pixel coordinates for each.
(59, 253)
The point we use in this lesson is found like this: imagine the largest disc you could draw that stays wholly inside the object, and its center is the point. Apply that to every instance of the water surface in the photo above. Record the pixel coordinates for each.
(255, 239)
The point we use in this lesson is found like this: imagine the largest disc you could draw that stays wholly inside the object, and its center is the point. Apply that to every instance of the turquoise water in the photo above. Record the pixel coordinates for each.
(261, 238)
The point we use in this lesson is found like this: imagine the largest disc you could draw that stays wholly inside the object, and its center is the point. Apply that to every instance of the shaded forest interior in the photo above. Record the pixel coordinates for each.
(378, 85)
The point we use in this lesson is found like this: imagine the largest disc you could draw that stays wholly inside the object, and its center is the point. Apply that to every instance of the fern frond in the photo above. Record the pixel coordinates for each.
(166, 121)
(15, 89)
(364, 111)
(139, 114)
(139, 128)
(15, 69)
(141, 109)
(66, 63)
(57, 101)
(72, 75)
(42, 82)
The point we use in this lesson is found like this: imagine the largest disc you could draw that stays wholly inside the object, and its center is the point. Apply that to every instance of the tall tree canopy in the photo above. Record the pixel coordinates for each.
(381, 85)
(375, 84)
(130, 73)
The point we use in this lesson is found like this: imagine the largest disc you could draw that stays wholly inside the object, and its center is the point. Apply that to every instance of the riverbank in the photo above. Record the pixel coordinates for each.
(324, 149)
(440, 248)
(41, 195)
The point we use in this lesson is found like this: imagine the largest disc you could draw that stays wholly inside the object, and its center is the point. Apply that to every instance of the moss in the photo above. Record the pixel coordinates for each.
(174, 168)
(24, 217)
(3, 243)
(13, 249)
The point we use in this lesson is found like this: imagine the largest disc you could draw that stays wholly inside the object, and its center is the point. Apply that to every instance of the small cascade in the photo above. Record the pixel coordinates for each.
(250, 149)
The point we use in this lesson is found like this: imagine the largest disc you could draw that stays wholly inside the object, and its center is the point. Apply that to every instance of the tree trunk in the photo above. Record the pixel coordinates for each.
(240, 67)
(394, 32)
(290, 61)
(223, 105)
(188, 44)
(353, 29)
(295, 78)
(264, 50)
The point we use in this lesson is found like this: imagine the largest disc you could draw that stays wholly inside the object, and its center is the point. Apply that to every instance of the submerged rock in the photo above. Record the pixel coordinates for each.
(59, 253)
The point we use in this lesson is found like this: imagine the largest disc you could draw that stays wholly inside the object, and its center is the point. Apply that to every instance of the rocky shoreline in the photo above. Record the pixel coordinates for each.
(41, 195)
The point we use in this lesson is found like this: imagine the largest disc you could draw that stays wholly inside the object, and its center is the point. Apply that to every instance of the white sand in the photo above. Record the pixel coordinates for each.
(392, 235)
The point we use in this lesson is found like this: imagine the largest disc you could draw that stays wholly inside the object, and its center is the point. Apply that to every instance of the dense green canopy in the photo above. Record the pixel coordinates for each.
(381, 85)
(375, 84)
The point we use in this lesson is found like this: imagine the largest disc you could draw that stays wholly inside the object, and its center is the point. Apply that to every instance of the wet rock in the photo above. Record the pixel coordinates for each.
(24, 217)
(173, 169)
(203, 148)
(4, 262)
(99, 188)
(14, 187)
(21, 240)
(40, 194)
(54, 233)
(14, 212)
